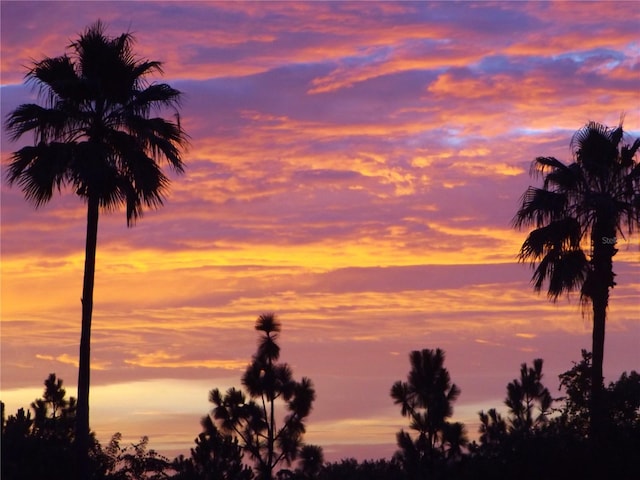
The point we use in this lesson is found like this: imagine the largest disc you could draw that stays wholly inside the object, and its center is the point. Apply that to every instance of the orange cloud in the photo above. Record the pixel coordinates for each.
(162, 359)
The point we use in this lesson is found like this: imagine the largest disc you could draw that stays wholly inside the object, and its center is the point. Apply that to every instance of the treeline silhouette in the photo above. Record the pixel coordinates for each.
(536, 437)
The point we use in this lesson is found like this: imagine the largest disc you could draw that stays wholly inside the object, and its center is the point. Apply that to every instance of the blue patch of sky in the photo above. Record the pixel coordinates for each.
(634, 49)
(494, 64)
(453, 137)
(367, 55)
(481, 17)
(607, 56)
(199, 15)
(530, 131)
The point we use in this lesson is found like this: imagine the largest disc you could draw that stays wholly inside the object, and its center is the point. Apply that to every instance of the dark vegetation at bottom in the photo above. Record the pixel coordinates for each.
(538, 438)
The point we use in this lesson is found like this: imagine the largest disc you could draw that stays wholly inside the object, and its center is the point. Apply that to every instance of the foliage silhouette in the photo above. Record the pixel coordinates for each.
(556, 446)
(589, 201)
(96, 135)
(134, 462)
(351, 469)
(493, 428)
(528, 400)
(38, 442)
(253, 422)
(215, 457)
(576, 383)
(524, 444)
(41, 445)
(311, 458)
(54, 415)
(426, 398)
(621, 399)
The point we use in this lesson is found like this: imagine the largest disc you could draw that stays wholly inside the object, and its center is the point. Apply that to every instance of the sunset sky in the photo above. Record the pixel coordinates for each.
(354, 168)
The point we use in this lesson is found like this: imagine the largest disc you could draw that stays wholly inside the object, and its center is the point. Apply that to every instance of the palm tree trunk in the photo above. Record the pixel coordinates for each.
(597, 407)
(84, 370)
(602, 262)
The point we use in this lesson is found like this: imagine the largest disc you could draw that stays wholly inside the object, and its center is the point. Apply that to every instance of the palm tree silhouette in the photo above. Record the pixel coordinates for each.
(587, 202)
(96, 134)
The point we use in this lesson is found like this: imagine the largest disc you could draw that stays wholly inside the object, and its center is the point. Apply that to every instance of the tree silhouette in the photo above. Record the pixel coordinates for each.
(583, 205)
(576, 383)
(253, 421)
(621, 399)
(350, 469)
(96, 135)
(133, 462)
(616, 455)
(311, 460)
(528, 443)
(17, 446)
(493, 427)
(531, 444)
(426, 398)
(528, 400)
(215, 457)
(54, 415)
(41, 445)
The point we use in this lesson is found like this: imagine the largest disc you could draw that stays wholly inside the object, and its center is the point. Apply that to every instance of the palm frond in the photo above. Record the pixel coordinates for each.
(39, 170)
(596, 151)
(615, 135)
(540, 206)
(157, 95)
(46, 123)
(560, 235)
(162, 138)
(632, 178)
(627, 152)
(542, 165)
(146, 67)
(56, 78)
(141, 182)
(563, 271)
(566, 179)
(586, 133)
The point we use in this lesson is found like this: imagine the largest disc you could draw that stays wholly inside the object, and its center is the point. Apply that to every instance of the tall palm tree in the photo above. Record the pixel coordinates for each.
(96, 134)
(577, 214)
